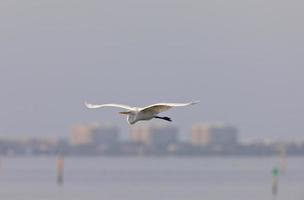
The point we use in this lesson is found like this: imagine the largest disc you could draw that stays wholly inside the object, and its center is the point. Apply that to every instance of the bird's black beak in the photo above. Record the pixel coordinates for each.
(124, 113)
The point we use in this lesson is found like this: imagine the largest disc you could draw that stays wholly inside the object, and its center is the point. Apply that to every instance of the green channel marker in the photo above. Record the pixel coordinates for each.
(275, 171)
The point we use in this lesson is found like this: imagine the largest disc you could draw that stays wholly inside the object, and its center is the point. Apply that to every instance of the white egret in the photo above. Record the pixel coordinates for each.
(135, 114)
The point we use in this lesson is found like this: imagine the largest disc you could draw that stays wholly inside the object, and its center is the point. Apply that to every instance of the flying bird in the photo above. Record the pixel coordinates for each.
(135, 114)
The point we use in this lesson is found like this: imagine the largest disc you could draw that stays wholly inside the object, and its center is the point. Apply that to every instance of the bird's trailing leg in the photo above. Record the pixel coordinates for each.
(164, 118)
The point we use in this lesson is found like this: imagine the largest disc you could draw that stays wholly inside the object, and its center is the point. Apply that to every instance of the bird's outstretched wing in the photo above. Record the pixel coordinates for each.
(161, 107)
(92, 106)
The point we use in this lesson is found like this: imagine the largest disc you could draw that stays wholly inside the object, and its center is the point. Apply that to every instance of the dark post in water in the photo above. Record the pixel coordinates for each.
(275, 181)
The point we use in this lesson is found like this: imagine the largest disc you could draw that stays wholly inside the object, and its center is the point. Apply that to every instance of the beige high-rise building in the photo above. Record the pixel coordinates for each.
(154, 134)
(203, 134)
(83, 134)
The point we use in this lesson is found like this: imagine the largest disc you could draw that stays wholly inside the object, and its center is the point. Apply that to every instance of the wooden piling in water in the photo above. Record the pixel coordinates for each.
(59, 169)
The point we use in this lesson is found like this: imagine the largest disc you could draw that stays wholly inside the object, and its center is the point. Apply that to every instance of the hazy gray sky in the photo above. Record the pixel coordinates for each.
(242, 59)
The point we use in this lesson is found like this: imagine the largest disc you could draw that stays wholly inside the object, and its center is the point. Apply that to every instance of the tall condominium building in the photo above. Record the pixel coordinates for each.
(154, 134)
(94, 134)
(204, 134)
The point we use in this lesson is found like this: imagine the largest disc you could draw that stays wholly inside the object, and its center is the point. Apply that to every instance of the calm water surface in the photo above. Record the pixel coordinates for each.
(34, 178)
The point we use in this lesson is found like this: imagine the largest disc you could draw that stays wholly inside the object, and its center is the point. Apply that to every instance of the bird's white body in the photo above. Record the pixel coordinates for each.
(135, 114)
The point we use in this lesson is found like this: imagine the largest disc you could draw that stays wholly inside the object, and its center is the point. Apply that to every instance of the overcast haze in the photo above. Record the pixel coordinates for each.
(242, 59)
